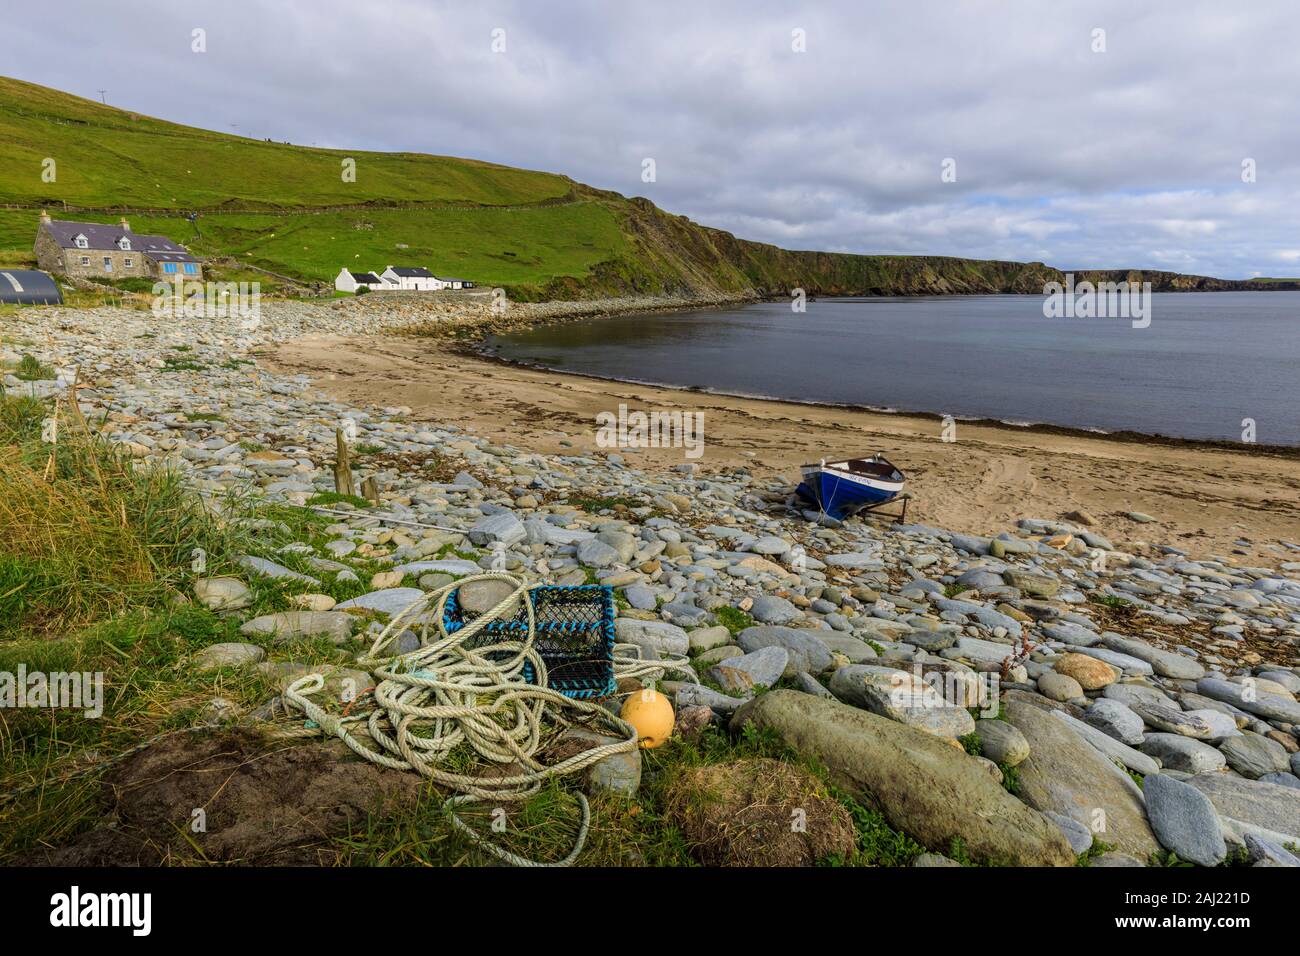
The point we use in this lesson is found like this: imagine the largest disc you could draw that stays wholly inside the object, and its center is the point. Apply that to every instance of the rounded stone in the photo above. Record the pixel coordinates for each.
(313, 602)
(223, 594)
(1184, 820)
(1253, 755)
(1001, 742)
(1060, 687)
(1091, 673)
(479, 597)
(215, 656)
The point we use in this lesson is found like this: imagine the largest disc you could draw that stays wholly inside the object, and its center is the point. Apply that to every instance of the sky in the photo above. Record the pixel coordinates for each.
(1157, 135)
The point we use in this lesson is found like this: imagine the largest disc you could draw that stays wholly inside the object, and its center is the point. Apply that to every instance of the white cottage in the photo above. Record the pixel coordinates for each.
(348, 281)
(412, 278)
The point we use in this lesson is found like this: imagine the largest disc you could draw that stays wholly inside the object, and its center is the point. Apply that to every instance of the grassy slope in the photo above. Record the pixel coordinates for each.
(109, 156)
(540, 235)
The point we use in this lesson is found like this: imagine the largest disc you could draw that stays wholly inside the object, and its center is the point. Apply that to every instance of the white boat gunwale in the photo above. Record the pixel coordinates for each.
(844, 470)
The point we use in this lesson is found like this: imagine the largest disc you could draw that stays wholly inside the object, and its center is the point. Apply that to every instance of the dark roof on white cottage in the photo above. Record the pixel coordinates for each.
(367, 277)
(101, 236)
(411, 273)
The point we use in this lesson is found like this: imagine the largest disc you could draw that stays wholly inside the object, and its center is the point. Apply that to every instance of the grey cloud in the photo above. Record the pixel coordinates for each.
(1130, 157)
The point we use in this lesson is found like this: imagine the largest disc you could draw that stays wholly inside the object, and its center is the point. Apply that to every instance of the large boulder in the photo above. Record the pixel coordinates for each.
(1067, 775)
(923, 785)
(1184, 820)
(1265, 809)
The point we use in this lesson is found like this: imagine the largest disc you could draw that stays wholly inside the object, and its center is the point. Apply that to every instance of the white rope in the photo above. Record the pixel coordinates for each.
(628, 662)
(445, 694)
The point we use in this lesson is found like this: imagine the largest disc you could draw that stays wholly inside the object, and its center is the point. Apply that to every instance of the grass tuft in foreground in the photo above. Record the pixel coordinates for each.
(88, 532)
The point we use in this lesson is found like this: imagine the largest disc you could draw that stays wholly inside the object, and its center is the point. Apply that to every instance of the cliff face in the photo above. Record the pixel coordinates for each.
(675, 256)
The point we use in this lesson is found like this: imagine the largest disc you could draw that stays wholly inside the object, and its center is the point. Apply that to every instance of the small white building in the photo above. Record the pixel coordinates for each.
(455, 283)
(411, 278)
(349, 281)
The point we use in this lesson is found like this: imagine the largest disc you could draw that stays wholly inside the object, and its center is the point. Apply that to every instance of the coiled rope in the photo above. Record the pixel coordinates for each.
(444, 694)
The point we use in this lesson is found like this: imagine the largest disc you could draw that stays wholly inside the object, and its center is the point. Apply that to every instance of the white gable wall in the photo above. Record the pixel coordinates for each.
(413, 283)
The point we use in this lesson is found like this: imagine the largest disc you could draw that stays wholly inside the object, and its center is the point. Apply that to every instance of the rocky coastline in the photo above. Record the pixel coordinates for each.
(1041, 693)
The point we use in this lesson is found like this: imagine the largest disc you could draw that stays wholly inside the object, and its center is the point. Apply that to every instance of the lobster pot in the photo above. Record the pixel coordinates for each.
(574, 634)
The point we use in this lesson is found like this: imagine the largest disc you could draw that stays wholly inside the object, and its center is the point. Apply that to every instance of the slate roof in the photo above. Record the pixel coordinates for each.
(408, 273)
(103, 237)
(369, 278)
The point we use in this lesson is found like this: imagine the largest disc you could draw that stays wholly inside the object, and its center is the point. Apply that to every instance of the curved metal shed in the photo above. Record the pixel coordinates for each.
(29, 287)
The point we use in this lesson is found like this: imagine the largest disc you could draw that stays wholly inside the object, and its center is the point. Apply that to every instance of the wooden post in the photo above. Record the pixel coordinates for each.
(342, 465)
(370, 489)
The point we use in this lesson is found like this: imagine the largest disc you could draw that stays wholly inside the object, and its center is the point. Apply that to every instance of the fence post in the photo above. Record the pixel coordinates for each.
(342, 465)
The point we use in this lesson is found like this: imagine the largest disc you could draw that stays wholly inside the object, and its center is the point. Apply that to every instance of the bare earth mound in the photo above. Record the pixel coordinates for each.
(263, 804)
(759, 813)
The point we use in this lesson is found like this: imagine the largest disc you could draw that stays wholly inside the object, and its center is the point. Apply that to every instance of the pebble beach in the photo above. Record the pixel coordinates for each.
(1129, 654)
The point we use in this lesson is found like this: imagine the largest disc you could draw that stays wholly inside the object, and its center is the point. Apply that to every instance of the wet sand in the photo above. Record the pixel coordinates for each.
(1205, 498)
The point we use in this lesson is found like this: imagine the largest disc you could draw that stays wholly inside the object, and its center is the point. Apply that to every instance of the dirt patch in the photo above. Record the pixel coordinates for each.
(263, 803)
(758, 813)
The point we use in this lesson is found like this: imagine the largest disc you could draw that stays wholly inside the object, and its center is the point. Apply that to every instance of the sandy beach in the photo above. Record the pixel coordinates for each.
(1209, 501)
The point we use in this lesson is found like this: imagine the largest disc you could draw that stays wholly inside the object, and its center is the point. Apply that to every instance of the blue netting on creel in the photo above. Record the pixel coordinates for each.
(574, 634)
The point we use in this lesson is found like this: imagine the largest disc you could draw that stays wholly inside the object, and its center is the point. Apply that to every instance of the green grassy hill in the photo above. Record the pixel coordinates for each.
(288, 210)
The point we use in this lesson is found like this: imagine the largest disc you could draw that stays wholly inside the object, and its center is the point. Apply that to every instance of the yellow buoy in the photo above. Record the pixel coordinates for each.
(651, 714)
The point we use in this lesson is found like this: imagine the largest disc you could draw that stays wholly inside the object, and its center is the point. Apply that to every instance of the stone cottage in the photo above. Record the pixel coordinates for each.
(93, 249)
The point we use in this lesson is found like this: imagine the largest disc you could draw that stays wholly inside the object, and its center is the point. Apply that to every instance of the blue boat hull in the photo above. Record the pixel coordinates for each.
(841, 497)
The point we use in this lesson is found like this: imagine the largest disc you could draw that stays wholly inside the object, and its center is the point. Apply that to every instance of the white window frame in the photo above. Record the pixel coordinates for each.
(85, 260)
(128, 263)
(82, 242)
